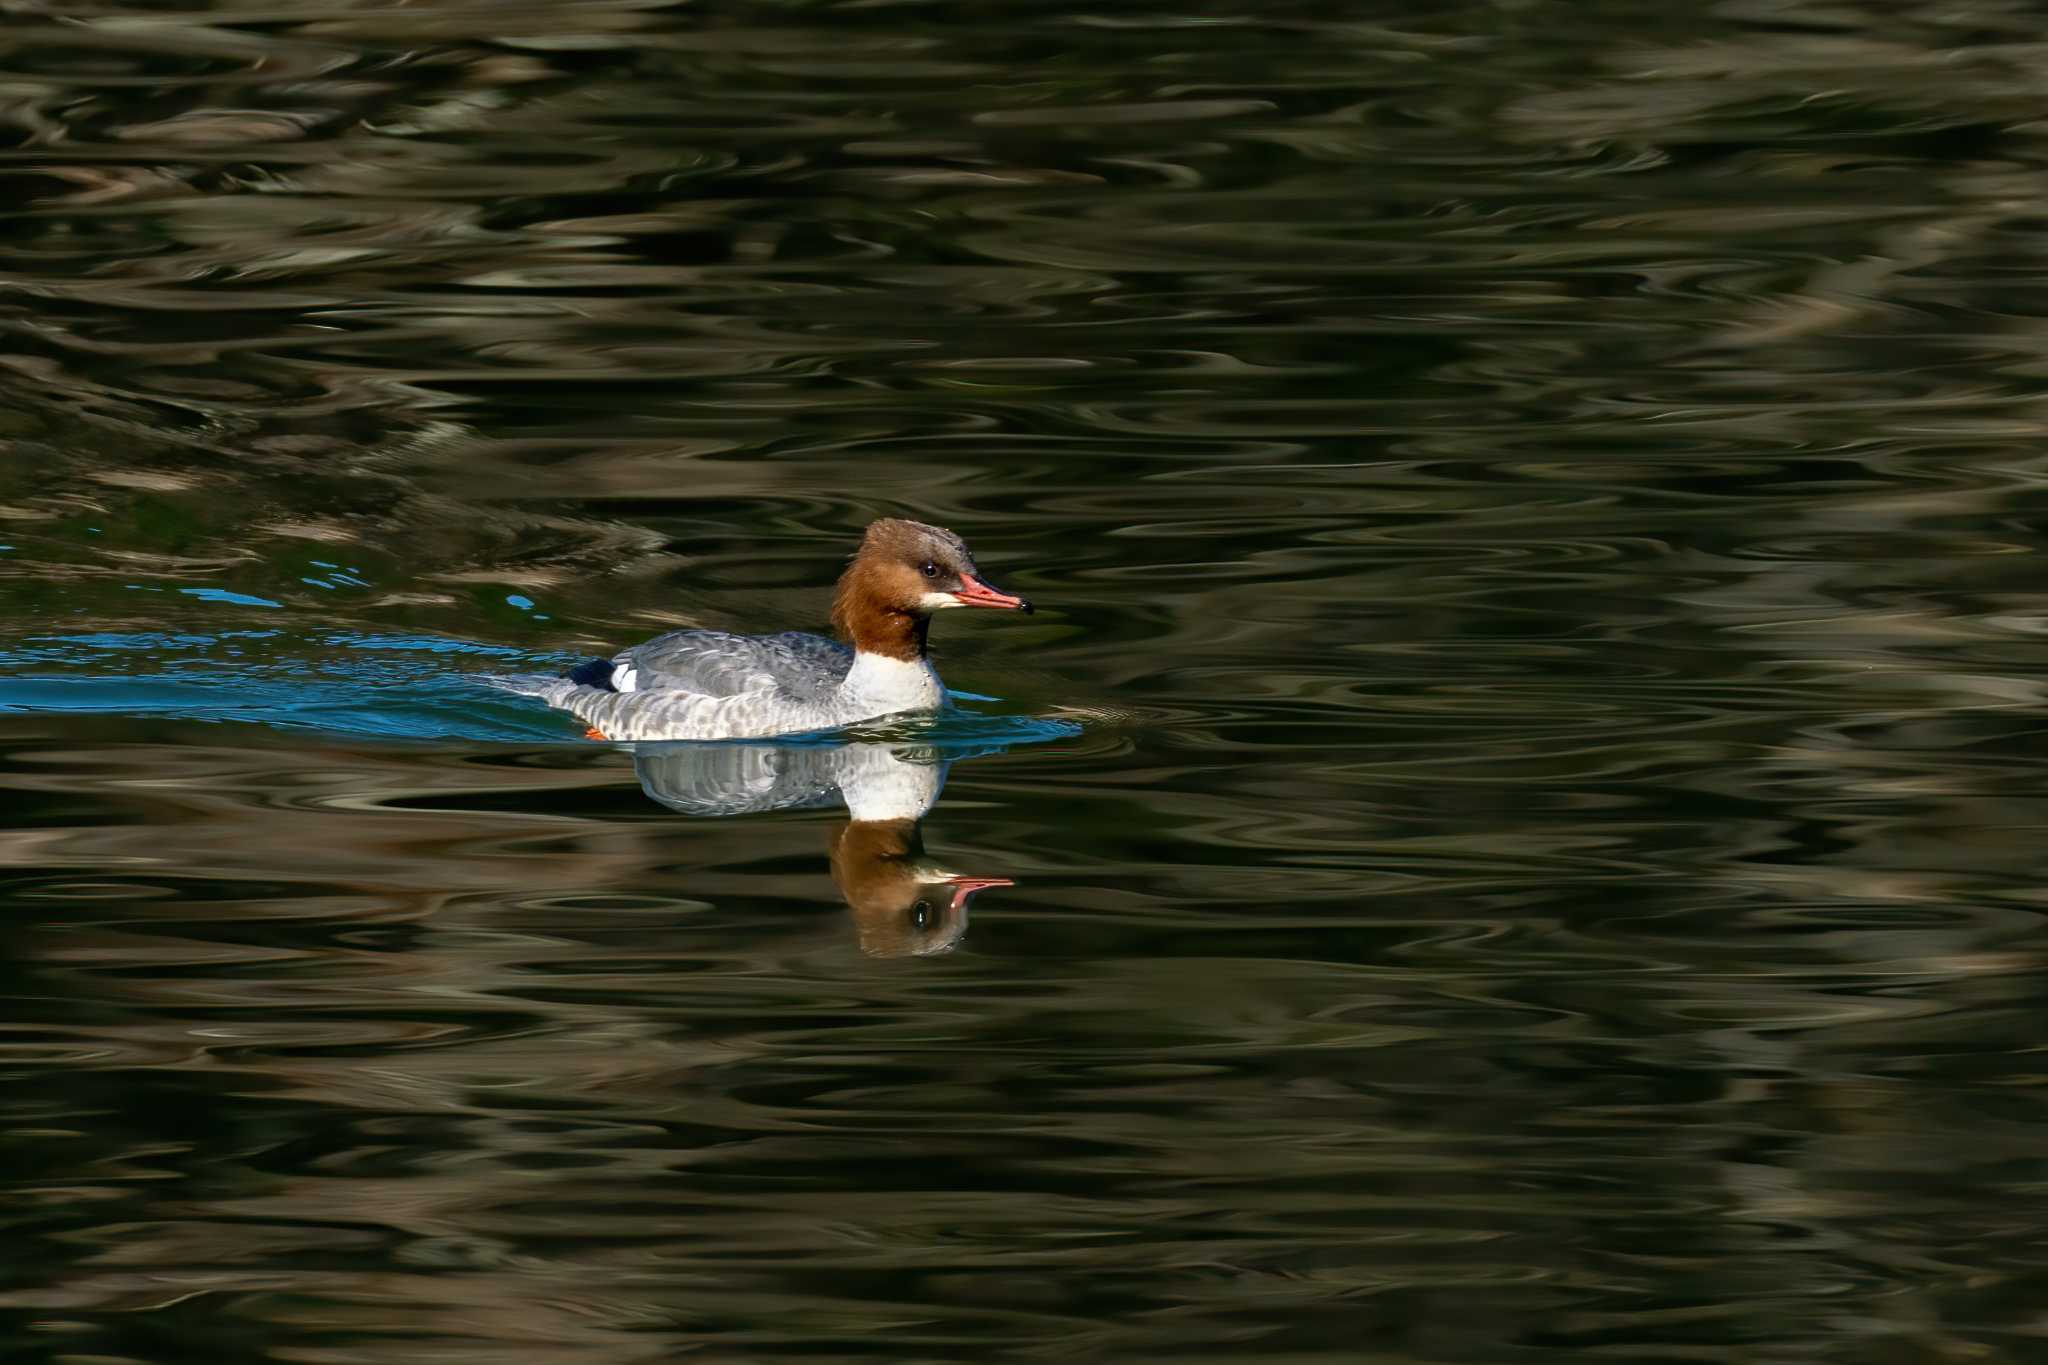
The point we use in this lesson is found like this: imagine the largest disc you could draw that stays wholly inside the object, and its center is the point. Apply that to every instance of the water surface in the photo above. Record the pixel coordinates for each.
(1523, 793)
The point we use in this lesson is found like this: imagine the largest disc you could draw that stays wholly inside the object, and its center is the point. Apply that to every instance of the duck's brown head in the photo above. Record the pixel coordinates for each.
(902, 573)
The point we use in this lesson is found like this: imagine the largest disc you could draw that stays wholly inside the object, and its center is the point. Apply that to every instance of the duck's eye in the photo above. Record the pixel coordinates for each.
(921, 914)
(929, 569)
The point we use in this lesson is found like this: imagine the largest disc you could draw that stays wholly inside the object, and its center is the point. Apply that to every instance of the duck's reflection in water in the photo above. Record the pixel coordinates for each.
(903, 903)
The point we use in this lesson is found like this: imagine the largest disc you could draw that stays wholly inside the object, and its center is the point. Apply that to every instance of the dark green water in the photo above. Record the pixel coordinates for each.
(1525, 792)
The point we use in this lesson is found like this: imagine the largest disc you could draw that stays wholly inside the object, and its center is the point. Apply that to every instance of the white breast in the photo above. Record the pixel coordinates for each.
(880, 686)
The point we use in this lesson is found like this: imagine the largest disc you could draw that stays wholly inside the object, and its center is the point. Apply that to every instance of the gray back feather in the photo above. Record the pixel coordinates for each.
(711, 663)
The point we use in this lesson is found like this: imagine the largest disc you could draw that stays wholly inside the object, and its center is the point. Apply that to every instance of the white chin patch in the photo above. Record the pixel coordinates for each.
(625, 678)
(937, 601)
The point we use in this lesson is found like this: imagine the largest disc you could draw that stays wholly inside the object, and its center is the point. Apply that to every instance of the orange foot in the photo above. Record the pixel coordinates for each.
(593, 733)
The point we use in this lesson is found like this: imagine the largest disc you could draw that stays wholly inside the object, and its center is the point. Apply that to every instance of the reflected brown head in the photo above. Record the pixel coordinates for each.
(902, 573)
(903, 905)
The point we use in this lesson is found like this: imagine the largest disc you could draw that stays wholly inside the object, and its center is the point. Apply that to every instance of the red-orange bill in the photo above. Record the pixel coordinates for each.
(973, 592)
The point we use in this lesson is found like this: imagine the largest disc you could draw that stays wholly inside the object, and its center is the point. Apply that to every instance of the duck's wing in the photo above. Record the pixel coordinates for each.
(711, 663)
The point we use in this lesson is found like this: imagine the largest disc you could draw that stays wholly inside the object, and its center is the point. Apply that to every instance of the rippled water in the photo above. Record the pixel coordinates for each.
(1522, 802)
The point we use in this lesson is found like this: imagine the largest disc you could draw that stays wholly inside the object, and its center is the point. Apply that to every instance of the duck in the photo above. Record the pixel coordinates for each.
(711, 685)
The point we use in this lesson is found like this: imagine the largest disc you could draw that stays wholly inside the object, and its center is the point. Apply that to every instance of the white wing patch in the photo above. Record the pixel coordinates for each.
(625, 678)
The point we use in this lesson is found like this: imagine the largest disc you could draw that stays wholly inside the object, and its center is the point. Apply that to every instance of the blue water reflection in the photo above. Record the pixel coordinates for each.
(384, 685)
(343, 683)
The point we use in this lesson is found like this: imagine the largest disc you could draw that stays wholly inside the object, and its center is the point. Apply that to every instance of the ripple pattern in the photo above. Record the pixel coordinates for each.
(1523, 792)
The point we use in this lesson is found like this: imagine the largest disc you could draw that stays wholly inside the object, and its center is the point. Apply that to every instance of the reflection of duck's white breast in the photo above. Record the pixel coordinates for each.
(876, 781)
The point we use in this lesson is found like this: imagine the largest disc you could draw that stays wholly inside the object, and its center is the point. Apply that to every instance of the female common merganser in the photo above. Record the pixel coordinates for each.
(705, 684)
